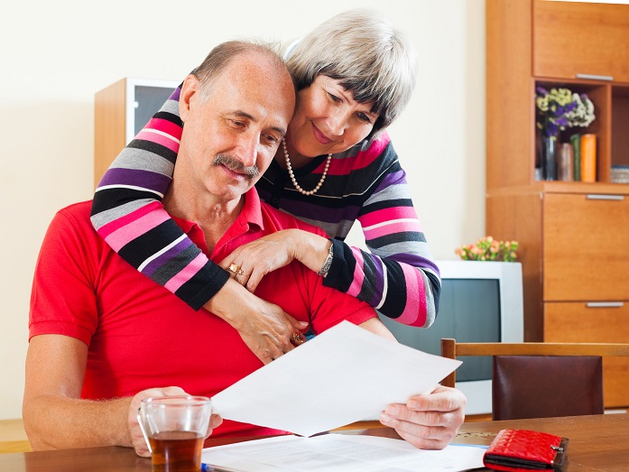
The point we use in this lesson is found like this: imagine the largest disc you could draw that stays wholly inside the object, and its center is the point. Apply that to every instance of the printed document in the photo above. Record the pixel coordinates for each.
(339, 452)
(343, 375)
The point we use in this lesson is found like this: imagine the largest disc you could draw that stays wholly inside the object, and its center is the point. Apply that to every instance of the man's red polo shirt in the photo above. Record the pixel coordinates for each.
(140, 335)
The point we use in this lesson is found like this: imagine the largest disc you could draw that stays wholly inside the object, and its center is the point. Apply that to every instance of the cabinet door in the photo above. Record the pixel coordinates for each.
(585, 255)
(578, 322)
(572, 38)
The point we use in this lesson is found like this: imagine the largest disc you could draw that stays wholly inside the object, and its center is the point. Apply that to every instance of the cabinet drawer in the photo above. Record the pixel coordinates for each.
(584, 252)
(576, 322)
(580, 38)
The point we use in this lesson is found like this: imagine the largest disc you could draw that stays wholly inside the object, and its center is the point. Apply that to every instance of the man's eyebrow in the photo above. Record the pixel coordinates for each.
(244, 114)
(281, 131)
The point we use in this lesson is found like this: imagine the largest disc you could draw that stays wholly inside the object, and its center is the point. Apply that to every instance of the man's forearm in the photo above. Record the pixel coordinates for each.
(57, 422)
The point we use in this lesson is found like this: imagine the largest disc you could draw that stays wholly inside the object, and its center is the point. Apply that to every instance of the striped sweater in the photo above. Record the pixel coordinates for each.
(397, 276)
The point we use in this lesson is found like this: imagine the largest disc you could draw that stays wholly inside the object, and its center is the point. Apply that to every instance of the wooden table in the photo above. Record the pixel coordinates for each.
(597, 443)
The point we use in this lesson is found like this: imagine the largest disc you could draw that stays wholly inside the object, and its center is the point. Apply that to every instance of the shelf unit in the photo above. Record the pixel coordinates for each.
(572, 235)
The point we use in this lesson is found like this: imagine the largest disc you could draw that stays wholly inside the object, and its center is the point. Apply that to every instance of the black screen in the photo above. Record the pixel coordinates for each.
(469, 311)
(149, 100)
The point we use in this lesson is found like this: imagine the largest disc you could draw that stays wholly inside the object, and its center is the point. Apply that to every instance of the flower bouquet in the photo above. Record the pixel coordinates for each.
(559, 109)
(488, 249)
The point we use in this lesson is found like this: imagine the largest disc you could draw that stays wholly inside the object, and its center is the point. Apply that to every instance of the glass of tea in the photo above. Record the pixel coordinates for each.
(174, 429)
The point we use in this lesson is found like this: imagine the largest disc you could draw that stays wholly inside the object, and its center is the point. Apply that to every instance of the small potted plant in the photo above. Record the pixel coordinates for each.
(488, 249)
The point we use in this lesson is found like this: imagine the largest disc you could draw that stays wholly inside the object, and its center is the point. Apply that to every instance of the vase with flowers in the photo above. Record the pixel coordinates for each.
(489, 249)
(558, 109)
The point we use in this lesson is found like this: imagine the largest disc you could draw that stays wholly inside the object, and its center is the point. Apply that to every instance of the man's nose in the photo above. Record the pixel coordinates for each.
(247, 149)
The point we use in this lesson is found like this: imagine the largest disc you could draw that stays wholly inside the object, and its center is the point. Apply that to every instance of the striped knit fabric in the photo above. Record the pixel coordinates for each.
(397, 276)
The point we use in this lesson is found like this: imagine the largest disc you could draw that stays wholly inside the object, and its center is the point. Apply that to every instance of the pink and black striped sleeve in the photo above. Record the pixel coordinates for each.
(398, 275)
(127, 212)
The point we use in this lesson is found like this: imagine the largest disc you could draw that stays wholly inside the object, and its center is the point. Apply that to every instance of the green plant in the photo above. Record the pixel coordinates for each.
(488, 249)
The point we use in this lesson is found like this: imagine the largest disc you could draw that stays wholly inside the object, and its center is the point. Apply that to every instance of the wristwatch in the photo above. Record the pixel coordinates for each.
(327, 263)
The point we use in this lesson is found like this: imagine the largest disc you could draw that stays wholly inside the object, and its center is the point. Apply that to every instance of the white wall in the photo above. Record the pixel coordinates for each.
(56, 55)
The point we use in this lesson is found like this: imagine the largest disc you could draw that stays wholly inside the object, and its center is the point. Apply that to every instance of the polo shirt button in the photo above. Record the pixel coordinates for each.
(275, 200)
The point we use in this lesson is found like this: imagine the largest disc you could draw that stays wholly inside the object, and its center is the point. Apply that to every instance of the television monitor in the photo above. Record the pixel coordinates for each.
(480, 302)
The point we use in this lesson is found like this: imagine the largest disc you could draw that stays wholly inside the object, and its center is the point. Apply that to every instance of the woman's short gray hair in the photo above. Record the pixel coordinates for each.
(370, 57)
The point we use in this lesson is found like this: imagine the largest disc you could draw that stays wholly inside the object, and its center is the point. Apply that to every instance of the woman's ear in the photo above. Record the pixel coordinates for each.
(189, 92)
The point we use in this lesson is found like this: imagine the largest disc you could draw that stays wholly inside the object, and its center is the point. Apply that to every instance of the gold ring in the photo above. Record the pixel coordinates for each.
(240, 272)
(234, 268)
(298, 338)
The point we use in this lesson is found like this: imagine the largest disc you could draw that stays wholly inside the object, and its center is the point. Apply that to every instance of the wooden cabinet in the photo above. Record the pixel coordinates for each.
(572, 234)
(584, 239)
(572, 40)
(594, 322)
(120, 112)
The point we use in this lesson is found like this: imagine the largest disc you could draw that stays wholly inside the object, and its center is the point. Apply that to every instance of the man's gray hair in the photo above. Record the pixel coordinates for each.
(370, 57)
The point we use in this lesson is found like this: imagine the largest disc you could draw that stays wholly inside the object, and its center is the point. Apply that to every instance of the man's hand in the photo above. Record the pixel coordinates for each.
(137, 438)
(428, 421)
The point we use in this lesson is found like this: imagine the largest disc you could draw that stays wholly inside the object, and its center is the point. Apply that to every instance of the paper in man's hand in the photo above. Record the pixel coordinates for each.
(343, 375)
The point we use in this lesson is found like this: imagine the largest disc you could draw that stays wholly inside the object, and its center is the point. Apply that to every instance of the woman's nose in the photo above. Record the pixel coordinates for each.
(338, 119)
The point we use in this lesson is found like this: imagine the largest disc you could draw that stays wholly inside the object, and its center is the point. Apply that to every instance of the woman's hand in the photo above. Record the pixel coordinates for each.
(254, 260)
(264, 327)
(251, 262)
(269, 332)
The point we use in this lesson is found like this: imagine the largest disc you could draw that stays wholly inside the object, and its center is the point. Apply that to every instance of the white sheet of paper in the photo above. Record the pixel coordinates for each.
(343, 375)
(340, 452)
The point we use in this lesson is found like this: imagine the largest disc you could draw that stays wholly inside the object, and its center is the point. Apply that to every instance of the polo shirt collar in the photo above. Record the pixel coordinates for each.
(250, 217)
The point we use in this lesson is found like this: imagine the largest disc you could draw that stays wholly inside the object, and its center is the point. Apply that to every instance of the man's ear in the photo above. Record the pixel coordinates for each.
(189, 92)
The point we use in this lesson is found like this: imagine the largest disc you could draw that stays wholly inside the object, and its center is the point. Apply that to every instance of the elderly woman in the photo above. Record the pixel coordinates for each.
(354, 75)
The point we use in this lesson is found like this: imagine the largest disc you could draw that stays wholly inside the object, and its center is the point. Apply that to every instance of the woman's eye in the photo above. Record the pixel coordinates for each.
(363, 117)
(237, 124)
(334, 98)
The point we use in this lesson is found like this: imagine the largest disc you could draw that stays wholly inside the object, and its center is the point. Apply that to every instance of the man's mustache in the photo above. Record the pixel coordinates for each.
(235, 165)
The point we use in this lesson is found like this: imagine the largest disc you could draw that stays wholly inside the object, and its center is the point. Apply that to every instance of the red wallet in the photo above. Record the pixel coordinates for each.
(521, 450)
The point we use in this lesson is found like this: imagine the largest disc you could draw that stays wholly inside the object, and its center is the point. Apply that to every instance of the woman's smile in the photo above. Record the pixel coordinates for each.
(319, 136)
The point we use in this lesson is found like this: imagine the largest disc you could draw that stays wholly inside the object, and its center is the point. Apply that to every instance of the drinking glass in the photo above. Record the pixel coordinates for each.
(174, 428)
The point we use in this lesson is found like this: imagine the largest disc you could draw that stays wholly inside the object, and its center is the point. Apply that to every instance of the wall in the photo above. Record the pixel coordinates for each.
(56, 55)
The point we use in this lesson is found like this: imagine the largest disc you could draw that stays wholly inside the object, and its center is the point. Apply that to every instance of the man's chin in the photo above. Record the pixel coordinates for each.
(230, 192)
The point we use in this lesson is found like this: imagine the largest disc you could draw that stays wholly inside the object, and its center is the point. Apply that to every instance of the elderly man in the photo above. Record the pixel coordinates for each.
(103, 336)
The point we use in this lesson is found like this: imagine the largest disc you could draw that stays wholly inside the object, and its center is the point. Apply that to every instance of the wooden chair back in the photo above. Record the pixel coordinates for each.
(567, 381)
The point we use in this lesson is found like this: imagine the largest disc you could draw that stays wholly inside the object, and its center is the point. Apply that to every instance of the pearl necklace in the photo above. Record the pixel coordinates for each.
(292, 175)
